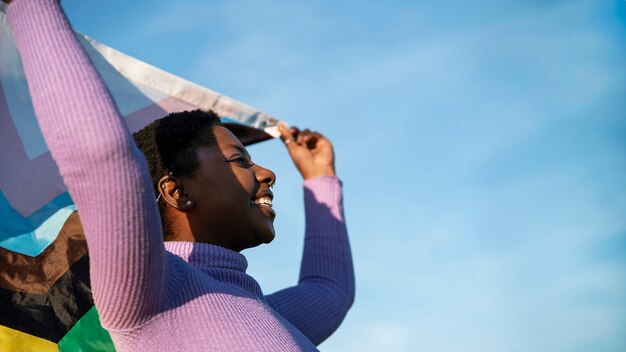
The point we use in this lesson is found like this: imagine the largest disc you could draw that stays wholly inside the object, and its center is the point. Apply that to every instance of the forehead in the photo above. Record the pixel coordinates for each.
(225, 138)
(224, 135)
(225, 143)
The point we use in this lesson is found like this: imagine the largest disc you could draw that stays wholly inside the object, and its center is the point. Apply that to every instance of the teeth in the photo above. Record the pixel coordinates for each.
(263, 201)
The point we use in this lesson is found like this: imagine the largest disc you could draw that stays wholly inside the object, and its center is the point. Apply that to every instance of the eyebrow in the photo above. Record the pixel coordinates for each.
(240, 149)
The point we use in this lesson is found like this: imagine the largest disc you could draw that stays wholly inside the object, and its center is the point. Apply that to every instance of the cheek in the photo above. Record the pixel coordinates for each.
(226, 190)
(246, 181)
(228, 181)
(231, 195)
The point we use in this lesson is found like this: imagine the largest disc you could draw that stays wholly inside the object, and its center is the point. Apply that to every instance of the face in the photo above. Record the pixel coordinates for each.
(233, 202)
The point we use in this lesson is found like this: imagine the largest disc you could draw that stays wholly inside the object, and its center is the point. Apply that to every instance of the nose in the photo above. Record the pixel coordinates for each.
(264, 175)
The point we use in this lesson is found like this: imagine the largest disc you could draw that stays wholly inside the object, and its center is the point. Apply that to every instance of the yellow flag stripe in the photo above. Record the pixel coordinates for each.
(17, 341)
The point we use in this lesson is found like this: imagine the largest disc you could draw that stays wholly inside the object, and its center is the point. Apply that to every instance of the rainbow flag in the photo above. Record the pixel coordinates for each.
(45, 297)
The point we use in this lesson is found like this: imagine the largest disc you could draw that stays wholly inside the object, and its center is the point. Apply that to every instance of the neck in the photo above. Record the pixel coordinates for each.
(178, 226)
(181, 229)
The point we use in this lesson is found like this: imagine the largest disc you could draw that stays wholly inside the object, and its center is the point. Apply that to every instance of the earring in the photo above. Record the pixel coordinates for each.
(189, 203)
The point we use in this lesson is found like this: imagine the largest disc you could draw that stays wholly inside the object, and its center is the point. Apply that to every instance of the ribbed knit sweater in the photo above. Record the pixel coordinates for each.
(181, 296)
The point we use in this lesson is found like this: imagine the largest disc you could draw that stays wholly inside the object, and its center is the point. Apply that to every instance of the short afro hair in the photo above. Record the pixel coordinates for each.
(170, 145)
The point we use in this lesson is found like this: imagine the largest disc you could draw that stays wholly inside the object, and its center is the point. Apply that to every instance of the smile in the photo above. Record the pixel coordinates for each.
(263, 201)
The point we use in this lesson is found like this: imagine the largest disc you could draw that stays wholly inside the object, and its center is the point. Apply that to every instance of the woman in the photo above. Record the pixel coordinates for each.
(191, 293)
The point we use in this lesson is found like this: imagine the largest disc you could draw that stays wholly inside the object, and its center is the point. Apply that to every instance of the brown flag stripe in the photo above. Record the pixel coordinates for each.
(50, 315)
(23, 273)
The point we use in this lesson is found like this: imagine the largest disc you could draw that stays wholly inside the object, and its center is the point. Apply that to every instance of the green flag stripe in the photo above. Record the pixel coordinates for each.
(87, 335)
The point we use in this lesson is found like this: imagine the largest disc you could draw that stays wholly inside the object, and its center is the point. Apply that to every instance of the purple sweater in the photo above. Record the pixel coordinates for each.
(181, 296)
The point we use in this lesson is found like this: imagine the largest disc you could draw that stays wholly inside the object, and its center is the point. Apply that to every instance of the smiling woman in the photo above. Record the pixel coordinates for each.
(191, 293)
(209, 189)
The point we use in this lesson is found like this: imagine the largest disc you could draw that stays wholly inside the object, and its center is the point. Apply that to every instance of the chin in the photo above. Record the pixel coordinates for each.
(260, 238)
(267, 237)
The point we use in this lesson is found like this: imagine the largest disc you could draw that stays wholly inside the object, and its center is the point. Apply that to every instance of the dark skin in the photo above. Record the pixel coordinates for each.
(223, 202)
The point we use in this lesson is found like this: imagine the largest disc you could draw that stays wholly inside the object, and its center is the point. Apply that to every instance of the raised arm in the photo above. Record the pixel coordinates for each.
(104, 171)
(325, 291)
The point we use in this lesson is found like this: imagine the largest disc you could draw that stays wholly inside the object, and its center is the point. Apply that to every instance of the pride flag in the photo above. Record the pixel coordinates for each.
(45, 297)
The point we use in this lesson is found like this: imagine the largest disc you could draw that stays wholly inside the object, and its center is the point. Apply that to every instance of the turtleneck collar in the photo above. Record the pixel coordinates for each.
(208, 256)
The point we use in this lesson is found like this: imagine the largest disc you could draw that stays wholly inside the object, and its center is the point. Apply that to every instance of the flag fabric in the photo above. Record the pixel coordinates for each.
(45, 297)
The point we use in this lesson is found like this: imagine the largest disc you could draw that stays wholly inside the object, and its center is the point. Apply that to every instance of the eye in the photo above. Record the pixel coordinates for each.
(243, 161)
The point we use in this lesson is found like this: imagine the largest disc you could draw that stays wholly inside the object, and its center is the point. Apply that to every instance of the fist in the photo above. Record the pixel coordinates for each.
(311, 152)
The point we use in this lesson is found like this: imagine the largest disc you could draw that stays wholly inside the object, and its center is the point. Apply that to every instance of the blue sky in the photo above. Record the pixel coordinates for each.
(482, 145)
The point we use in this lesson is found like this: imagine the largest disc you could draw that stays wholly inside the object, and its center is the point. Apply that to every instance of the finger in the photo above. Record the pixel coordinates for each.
(282, 128)
(317, 137)
(287, 136)
(303, 136)
(312, 139)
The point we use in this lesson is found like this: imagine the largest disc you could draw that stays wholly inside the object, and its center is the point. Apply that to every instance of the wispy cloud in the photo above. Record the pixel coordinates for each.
(481, 145)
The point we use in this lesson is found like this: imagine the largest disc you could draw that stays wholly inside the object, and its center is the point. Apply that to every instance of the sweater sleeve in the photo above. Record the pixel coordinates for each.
(325, 291)
(101, 166)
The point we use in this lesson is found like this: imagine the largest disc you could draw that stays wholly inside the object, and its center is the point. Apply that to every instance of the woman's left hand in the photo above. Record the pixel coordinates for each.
(311, 152)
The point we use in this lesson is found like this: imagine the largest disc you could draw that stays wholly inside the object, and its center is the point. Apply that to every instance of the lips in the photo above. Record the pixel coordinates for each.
(264, 200)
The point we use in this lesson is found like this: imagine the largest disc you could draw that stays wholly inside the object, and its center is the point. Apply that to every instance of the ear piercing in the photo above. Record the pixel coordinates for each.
(159, 196)
(188, 203)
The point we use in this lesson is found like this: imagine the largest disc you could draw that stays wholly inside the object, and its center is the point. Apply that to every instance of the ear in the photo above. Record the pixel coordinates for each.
(173, 193)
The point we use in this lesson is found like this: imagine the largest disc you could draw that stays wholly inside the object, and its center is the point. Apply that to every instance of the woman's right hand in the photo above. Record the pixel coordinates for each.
(311, 152)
